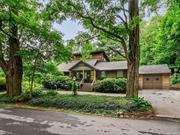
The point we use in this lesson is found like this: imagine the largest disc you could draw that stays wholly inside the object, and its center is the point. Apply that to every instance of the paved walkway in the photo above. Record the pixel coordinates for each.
(165, 102)
(33, 122)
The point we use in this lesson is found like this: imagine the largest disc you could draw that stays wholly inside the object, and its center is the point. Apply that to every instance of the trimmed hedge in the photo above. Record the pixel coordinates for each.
(111, 85)
(59, 82)
(2, 83)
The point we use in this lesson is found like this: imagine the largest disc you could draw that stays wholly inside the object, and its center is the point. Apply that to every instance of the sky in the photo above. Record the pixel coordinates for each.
(69, 28)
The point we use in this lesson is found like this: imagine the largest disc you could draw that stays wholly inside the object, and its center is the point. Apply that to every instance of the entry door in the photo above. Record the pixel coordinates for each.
(152, 82)
(87, 76)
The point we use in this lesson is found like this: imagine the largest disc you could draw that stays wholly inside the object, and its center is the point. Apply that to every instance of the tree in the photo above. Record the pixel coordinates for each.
(23, 26)
(12, 68)
(160, 39)
(109, 20)
(149, 31)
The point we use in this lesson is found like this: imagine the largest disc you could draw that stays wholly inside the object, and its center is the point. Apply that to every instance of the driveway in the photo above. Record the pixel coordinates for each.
(32, 122)
(165, 102)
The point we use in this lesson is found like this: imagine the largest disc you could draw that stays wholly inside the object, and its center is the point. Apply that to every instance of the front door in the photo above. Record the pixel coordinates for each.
(87, 76)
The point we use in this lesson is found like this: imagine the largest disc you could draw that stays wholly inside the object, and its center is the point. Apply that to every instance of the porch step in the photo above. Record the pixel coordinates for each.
(86, 87)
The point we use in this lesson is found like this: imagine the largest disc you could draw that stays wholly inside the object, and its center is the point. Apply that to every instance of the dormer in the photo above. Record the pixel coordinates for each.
(99, 55)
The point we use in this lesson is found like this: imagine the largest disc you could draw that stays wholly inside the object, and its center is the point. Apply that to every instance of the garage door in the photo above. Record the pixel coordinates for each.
(152, 82)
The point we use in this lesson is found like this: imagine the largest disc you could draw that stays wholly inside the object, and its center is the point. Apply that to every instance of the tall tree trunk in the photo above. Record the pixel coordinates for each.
(14, 77)
(14, 70)
(134, 50)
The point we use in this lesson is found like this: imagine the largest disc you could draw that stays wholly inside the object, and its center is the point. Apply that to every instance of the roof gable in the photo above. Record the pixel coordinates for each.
(66, 66)
(82, 66)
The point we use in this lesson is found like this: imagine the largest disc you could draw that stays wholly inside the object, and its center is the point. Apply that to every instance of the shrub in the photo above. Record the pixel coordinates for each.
(36, 86)
(51, 93)
(59, 82)
(140, 104)
(175, 79)
(111, 85)
(2, 84)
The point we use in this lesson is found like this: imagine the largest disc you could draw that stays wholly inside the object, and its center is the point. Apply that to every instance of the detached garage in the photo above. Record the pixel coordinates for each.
(154, 77)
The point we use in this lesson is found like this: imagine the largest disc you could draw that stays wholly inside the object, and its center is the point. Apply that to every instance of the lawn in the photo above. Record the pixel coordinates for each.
(101, 105)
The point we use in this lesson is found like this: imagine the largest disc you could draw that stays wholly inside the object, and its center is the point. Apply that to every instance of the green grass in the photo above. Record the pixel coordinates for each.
(103, 105)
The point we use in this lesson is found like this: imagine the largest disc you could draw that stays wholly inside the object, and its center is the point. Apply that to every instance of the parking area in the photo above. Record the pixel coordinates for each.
(165, 102)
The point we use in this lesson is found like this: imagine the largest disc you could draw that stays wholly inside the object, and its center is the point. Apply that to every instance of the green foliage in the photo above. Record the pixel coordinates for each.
(43, 71)
(2, 73)
(83, 103)
(2, 83)
(24, 97)
(37, 42)
(59, 82)
(74, 87)
(87, 103)
(51, 92)
(160, 40)
(139, 103)
(175, 79)
(111, 85)
(25, 86)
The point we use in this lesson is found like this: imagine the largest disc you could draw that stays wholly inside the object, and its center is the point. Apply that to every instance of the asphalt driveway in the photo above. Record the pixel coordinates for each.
(165, 102)
(33, 122)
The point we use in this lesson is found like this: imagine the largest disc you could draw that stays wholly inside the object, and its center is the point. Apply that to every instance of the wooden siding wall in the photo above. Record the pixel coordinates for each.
(81, 66)
(76, 57)
(166, 81)
(111, 74)
(140, 81)
(98, 56)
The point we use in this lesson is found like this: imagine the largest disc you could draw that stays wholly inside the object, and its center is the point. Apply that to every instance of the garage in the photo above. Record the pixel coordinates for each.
(152, 82)
(154, 77)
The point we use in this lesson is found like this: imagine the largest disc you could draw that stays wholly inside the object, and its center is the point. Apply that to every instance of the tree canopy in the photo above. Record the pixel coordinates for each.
(160, 39)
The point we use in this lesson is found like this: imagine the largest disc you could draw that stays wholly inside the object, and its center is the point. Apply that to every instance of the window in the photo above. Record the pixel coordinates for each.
(119, 74)
(103, 74)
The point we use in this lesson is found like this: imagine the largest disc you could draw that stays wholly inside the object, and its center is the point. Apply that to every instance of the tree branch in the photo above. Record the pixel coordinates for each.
(118, 52)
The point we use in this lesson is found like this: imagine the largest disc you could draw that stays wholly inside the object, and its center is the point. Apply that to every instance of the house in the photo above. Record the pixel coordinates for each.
(99, 67)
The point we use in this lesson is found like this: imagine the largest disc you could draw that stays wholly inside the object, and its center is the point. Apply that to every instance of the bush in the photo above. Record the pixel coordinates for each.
(59, 82)
(175, 79)
(140, 104)
(111, 85)
(2, 84)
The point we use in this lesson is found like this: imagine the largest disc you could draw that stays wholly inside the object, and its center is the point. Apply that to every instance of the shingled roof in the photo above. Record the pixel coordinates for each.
(66, 66)
(154, 69)
(116, 65)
